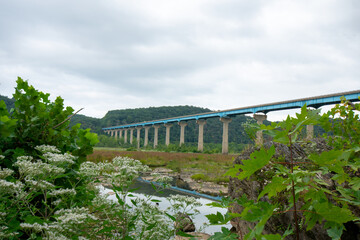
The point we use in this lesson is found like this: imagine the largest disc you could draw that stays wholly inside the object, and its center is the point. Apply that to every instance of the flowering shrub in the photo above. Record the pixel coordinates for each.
(48, 191)
(55, 214)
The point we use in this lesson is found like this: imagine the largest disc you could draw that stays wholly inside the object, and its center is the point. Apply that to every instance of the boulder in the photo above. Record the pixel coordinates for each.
(184, 223)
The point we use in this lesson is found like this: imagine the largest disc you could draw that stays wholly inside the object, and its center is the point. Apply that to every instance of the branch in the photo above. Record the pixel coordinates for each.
(67, 119)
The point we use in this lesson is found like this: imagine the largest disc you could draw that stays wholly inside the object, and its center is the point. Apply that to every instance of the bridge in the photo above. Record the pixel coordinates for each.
(225, 118)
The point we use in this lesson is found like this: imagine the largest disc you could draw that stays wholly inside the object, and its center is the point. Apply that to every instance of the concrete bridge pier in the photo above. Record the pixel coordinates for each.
(146, 138)
(121, 133)
(156, 135)
(116, 134)
(138, 136)
(260, 118)
(225, 138)
(125, 135)
(111, 133)
(201, 124)
(131, 135)
(182, 132)
(167, 137)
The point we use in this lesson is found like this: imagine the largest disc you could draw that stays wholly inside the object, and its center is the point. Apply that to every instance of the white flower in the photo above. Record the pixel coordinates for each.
(89, 169)
(47, 149)
(5, 172)
(35, 226)
(7, 187)
(36, 169)
(50, 235)
(58, 192)
(57, 202)
(38, 184)
(68, 217)
(59, 159)
(163, 179)
(4, 235)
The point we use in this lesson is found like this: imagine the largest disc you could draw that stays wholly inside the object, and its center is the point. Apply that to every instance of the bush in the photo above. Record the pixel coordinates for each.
(320, 189)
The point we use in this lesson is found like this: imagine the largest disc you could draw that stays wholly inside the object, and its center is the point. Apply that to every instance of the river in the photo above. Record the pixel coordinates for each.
(199, 219)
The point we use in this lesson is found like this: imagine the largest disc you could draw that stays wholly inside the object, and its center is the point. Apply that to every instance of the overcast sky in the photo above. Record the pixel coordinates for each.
(114, 54)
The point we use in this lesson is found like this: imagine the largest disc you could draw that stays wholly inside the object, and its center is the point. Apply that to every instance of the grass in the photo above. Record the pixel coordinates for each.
(210, 166)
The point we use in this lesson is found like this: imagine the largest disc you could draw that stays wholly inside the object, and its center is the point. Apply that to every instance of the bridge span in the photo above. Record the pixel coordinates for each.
(225, 118)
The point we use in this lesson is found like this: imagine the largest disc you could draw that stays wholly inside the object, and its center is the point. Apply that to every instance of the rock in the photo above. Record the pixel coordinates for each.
(184, 223)
(181, 183)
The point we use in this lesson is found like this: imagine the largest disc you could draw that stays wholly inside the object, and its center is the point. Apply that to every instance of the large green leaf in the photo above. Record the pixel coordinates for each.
(257, 161)
(333, 213)
(276, 185)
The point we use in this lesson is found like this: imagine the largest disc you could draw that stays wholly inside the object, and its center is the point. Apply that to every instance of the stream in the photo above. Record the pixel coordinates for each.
(199, 219)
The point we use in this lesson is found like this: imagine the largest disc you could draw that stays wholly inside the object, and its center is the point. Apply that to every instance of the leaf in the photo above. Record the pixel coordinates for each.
(170, 216)
(257, 160)
(275, 186)
(181, 233)
(355, 183)
(335, 232)
(225, 234)
(218, 218)
(333, 213)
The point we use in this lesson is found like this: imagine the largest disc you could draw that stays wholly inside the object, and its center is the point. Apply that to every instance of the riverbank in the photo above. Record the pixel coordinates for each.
(202, 172)
(210, 188)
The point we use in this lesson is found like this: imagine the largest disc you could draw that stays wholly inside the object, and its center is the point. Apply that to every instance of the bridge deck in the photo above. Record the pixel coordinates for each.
(315, 102)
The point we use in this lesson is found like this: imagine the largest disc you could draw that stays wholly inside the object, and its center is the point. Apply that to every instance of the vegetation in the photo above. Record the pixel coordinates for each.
(49, 192)
(212, 166)
(47, 188)
(323, 189)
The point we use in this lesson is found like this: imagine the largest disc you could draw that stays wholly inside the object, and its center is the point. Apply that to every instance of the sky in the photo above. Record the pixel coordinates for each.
(114, 54)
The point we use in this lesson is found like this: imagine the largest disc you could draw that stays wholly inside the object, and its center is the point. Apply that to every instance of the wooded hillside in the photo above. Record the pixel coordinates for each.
(212, 129)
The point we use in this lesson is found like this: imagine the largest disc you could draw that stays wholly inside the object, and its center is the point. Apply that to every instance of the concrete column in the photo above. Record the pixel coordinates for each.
(146, 138)
(201, 124)
(125, 135)
(116, 133)
(156, 135)
(260, 118)
(138, 136)
(309, 132)
(182, 132)
(111, 133)
(131, 135)
(121, 133)
(167, 137)
(225, 138)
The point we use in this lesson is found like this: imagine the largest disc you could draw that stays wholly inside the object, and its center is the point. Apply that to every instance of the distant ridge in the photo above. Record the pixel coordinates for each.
(212, 130)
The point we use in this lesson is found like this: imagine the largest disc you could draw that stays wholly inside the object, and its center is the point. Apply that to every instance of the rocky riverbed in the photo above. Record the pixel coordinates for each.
(184, 180)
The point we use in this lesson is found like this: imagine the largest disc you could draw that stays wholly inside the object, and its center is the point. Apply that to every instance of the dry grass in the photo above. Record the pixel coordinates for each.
(212, 165)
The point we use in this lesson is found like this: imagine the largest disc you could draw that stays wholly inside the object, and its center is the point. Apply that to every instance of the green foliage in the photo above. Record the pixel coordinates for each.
(305, 183)
(40, 121)
(225, 234)
(49, 192)
(257, 161)
(107, 141)
(37, 121)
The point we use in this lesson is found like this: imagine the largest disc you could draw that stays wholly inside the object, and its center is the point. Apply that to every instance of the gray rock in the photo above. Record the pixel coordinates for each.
(184, 223)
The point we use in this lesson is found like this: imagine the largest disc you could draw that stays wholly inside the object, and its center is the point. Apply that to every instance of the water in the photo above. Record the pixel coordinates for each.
(199, 220)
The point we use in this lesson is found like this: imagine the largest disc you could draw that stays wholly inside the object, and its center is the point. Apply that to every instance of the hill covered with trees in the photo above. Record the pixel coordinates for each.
(212, 129)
